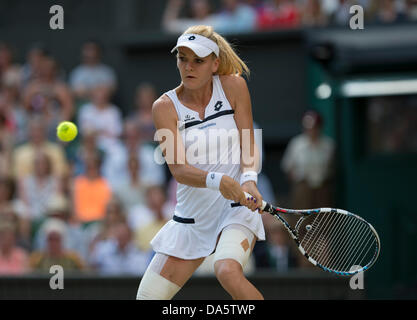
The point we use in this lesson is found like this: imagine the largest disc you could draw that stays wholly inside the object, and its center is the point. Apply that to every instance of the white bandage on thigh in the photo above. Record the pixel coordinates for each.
(153, 286)
(234, 243)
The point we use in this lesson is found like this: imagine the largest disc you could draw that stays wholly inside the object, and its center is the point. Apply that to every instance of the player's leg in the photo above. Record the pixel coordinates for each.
(232, 253)
(165, 276)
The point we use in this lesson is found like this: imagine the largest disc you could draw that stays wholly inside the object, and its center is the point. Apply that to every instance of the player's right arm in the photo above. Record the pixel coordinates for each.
(165, 119)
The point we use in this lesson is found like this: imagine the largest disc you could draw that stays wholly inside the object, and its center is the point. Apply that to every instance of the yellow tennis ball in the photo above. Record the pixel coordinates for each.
(66, 131)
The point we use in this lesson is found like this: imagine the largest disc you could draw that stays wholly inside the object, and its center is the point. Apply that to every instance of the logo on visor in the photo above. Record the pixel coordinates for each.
(191, 38)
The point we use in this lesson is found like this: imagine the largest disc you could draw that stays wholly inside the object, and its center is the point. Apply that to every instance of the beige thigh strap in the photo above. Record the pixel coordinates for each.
(235, 243)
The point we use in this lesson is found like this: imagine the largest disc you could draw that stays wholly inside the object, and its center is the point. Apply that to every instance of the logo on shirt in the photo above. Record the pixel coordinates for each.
(191, 38)
(212, 176)
(218, 105)
(188, 118)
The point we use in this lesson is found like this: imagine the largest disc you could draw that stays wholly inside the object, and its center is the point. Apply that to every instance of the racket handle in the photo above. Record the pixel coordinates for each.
(247, 195)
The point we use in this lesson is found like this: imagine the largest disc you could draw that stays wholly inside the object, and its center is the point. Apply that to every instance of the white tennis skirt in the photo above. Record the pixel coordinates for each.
(193, 238)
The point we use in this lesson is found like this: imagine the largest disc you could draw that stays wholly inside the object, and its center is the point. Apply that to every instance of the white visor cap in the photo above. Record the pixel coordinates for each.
(201, 46)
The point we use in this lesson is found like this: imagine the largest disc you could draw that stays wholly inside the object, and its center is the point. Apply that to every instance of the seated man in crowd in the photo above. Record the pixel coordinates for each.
(118, 255)
(24, 155)
(55, 252)
(91, 72)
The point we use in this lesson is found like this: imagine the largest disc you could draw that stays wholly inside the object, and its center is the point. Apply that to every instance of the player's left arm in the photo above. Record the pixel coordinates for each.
(237, 93)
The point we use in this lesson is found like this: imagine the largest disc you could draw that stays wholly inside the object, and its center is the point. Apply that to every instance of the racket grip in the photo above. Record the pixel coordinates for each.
(247, 195)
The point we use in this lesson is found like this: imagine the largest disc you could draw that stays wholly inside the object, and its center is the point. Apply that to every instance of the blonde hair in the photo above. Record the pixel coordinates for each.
(230, 63)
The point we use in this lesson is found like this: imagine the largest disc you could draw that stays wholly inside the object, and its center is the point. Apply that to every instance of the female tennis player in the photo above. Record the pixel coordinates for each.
(212, 95)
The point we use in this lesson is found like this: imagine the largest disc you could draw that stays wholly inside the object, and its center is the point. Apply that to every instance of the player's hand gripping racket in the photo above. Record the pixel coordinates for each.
(335, 240)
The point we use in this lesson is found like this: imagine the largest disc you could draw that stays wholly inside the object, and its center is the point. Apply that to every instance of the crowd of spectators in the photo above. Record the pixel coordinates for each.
(90, 205)
(234, 16)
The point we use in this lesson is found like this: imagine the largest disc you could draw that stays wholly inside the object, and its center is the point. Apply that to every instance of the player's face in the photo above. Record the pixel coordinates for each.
(195, 71)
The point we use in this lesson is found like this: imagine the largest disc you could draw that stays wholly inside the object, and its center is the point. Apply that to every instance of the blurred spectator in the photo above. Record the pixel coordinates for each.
(65, 184)
(101, 116)
(32, 68)
(341, 15)
(6, 143)
(7, 193)
(10, 73)
(13, 259)
(132, 191)
(144, 98)
(102, 230)
(200, 15)
(411, 9)
(118, 255)
(55, 252)
(115, 166)
(48, 96)
(13, 116)
(59, 208)
(91, 72)
(37, 189)
(278, 14)
(308, 162)
(388, 11)
(161, 212)
(146, 220)
(88, 145)
(13, 210)
(329, 6)
(24, 155)
(313, 14)
(91, 192)
(234, 17)
(281, 255)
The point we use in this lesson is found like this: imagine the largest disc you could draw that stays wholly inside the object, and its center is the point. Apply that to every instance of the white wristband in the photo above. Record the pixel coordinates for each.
(213, 180)
(248, 176)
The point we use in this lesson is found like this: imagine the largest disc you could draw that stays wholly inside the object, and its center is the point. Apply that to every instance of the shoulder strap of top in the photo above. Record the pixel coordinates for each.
(217, 85)
(174, 98)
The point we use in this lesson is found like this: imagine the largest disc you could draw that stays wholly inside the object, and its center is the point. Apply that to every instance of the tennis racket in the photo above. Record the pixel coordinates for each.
(335, 240)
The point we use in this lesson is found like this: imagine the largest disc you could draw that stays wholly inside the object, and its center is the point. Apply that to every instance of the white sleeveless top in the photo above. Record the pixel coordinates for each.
(205, 211)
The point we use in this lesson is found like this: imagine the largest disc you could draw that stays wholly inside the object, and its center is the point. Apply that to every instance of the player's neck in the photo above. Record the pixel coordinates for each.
(197, 97)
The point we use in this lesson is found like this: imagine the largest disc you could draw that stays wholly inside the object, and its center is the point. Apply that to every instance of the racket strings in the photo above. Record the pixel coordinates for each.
(310, 235)
(321, 223)
(331, 236)
(343, 227)
(329, 232)
(350, 241)
(354, 248)
(355, 258)
(350, 247)
(318, 245)
(338, 241)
